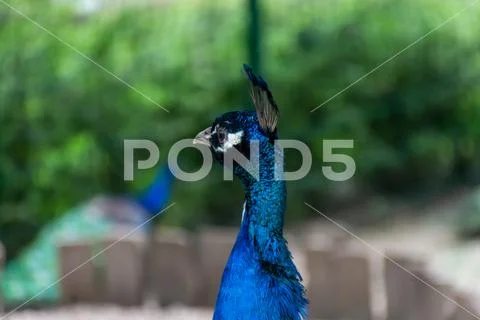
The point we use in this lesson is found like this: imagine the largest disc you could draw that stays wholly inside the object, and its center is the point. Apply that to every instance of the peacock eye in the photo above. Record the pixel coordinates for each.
(222, 135)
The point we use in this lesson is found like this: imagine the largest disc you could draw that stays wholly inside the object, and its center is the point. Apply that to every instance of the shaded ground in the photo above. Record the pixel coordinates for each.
(113, 313)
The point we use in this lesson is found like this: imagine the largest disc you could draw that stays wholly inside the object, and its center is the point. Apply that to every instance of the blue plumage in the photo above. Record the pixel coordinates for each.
(154, 198)
(260, 280)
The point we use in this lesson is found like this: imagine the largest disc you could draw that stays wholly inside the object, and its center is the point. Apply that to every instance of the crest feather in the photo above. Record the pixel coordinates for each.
(267, 109)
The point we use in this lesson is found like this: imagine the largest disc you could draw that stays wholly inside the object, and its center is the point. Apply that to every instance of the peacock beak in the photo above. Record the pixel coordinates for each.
(204, 137)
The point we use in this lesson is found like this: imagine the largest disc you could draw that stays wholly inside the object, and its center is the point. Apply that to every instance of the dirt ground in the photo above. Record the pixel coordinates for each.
(112, 313)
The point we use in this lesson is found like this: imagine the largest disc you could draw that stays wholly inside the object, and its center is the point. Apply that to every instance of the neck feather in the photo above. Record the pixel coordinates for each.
(265, 204)
(265, 198)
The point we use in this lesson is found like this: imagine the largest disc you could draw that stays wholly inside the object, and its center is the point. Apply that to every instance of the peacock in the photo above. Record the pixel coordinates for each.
(260, 280)
(37, 266)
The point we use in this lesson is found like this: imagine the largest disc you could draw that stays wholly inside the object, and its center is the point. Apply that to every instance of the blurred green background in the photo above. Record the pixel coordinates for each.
(415, 121)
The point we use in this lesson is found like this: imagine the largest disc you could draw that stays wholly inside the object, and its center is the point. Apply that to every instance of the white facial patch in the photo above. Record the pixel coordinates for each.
(232, 140)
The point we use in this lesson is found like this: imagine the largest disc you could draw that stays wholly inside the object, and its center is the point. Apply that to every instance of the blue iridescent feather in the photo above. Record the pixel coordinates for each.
(260, 280)
(155, 197)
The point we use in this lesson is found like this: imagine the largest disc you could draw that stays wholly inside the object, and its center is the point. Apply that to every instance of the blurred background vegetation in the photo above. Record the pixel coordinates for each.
(415, 121)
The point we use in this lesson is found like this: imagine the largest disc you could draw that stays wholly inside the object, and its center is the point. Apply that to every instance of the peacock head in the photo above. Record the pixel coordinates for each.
(250, 134)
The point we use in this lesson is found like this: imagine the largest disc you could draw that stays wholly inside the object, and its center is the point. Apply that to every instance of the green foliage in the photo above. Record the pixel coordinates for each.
(468, 220)
(64, 118)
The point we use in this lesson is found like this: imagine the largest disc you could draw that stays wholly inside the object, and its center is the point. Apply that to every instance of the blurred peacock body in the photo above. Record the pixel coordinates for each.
(32, 274)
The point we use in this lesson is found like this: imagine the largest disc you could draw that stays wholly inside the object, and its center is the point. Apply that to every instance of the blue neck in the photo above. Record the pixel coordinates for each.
(265, 198)
(265, 203)
(260, 280)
